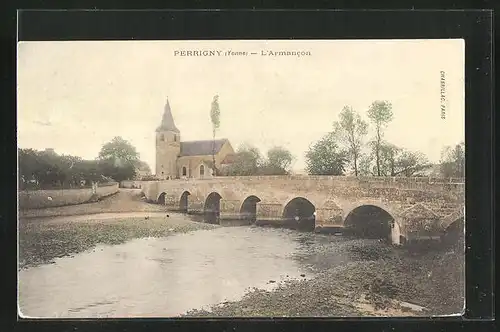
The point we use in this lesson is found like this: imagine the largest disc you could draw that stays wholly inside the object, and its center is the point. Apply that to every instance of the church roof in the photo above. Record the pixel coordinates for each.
(167, 122)
(201, 148)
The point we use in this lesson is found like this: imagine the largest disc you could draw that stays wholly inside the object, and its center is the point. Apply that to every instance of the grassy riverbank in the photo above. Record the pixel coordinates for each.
(40, 241)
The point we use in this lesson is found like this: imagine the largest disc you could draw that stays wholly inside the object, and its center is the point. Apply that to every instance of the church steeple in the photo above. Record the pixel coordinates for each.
(167, 122)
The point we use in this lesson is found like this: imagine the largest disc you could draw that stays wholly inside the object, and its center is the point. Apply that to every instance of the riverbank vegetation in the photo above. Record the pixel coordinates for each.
(118, 160)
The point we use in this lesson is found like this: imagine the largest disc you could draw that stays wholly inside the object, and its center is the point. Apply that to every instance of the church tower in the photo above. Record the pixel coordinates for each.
(168, 146)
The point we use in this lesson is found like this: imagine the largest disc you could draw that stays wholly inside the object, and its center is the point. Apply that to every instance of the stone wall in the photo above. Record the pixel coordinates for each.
(37, 199)
(131, 184)
(333, 197)
(405, 190)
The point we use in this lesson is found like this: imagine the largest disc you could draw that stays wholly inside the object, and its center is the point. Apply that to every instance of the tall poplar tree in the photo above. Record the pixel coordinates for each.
(351, 130)
(215, 119)
(380, 114)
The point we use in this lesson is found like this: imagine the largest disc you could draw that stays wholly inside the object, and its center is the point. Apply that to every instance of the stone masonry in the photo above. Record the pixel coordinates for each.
(415, 204)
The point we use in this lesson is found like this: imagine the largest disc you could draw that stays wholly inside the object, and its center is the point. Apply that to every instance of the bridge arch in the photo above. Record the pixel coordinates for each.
(161, 198)
(211, 208)
(248, 209)
(372, 221)
(183, 201)
(301, 211)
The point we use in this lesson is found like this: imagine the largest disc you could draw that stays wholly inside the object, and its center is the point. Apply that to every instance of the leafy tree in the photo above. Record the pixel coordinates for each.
(351, 130)
(29, 165)
(366, 165)
(47, 169)
(412, 163)
(143, 166)
(117, 172)
(70, 169)
(89, 171)
(215, 119)
(324, 157)
(278, 162)
(395, 161)
(117, 159)
(380, 114)
(452, 162)
(51, 169)
(120, 151)
(247, 161)
(388, 158)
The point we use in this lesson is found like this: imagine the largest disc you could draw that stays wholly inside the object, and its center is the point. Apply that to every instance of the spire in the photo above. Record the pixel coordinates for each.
(167, 122)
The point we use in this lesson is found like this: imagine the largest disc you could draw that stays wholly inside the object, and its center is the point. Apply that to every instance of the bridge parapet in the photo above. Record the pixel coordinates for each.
(454, 187)
(333, 197)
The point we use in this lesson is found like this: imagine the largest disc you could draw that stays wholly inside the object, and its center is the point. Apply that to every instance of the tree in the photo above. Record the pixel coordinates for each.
(351, 130)
(143, 166)
(278, 162)
(120, 151)
(215, 119)
(366, 165)
(46, 169)
(117, 159)
(380, 114)
(117, 172)
(89, 170)
(247, 161)
(396, 161)
(28, 165)
(70, 170)
(388, 155)
(411, 163)
(452, 162)
(50, 169)
(324, 157)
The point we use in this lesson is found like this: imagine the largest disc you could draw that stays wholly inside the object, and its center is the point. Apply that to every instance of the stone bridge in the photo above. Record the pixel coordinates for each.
(403, 209)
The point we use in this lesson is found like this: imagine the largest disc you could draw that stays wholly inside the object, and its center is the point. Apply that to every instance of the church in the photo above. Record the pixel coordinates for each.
(189, 159)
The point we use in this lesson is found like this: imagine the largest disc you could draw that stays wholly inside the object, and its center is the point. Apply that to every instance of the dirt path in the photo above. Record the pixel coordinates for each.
(126, 200)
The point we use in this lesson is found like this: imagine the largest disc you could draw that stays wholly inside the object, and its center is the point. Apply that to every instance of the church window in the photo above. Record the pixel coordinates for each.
(162, 137)
(175, 138)
(184, 171)
(202, 170)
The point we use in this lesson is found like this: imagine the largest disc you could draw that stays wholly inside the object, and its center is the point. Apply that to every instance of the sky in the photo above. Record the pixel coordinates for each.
(74, 96)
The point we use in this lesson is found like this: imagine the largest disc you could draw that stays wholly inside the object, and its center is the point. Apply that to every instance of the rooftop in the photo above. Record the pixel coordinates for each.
(201, 148)
(167, 121)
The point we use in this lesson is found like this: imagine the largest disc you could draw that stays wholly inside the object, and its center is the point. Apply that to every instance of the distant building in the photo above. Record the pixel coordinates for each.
(191, 159)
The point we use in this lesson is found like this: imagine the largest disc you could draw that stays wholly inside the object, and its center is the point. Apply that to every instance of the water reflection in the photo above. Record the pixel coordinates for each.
(158, 277)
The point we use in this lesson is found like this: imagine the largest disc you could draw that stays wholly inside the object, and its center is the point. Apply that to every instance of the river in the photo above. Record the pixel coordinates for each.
(169, 276)
(160, 276)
